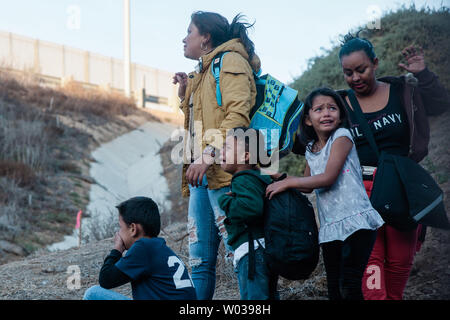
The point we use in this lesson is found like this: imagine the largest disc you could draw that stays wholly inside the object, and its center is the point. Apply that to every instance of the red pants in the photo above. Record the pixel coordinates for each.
(389, 265)
(390, 262)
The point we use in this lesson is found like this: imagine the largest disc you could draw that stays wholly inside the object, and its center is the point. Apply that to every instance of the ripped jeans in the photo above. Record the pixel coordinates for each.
(206, 228)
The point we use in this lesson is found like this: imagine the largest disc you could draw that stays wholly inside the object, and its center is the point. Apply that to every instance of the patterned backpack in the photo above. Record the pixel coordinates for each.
(276, 112)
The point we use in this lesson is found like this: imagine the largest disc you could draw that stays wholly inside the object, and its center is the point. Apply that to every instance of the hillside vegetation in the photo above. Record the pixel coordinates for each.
(58, 181)
(46, 136)
(427, 28)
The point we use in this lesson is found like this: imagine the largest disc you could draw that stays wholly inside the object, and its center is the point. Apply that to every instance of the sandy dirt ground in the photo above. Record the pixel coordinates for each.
(51, 275)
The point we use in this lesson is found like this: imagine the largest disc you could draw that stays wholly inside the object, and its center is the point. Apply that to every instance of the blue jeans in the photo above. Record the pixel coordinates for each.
(263, 286)
(99, 293)
(206, 228)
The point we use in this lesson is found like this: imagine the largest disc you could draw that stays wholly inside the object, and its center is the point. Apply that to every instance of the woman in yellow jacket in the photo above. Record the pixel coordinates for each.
(206, 124)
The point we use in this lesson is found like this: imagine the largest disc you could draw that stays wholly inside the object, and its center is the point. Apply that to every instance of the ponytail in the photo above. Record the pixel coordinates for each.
(353, 43)
(221, 31)
(239, 30)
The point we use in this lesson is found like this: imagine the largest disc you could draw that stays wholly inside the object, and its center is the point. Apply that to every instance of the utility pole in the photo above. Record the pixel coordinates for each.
(127, 48)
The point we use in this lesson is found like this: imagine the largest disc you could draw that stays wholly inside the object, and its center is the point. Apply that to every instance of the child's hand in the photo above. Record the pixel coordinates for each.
(276, 187)
(118, 243)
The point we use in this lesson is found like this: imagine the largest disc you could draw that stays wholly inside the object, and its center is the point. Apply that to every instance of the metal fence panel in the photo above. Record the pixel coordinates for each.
(62, 62)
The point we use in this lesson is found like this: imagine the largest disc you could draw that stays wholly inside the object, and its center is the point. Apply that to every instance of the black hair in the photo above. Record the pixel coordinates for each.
(143, 211)
(242, 134)
(307, 133)
(221, 31)
(353, 43)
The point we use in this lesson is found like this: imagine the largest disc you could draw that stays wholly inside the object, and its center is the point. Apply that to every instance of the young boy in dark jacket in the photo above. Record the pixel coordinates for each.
(244, 207)
(154, 270)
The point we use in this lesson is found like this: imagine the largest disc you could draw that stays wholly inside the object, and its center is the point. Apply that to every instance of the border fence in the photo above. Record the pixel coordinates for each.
(54, 64)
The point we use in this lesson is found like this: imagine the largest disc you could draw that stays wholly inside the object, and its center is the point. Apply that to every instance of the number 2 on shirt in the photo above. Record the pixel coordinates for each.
(179, 284)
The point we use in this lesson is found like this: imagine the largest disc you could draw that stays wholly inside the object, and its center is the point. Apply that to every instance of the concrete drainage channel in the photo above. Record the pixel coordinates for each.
(125, 167)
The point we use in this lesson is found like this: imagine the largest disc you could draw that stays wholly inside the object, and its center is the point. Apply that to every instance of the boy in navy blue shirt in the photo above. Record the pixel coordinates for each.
(154, 270)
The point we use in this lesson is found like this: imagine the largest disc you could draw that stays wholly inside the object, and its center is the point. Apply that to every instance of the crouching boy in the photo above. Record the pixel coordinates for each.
(154, 270)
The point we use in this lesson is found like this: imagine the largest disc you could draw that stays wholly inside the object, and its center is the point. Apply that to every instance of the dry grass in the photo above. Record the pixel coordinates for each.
(27, 90)
(13, 204)
(23, 140)
(40, 153)
(19, 172)
(100, 103)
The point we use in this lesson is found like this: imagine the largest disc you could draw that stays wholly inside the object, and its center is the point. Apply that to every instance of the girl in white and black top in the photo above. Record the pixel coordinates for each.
(348, 222)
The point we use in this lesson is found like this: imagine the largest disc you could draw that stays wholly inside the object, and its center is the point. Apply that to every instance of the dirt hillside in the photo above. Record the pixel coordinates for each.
(44, 275)
(46, 139)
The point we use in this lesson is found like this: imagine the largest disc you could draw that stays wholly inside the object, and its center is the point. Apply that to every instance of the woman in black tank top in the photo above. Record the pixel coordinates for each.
(400, 126)
(389, 126)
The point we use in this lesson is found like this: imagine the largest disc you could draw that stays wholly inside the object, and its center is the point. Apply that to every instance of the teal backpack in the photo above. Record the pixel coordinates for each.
(276, 111)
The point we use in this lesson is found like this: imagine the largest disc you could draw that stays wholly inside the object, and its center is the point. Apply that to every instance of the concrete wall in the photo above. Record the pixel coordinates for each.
(58, 63)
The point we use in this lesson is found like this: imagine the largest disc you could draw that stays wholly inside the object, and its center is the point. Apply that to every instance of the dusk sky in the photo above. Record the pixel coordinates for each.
(286, 33)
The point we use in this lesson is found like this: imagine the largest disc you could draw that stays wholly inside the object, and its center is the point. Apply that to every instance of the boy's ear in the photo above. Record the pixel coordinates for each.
(134, 228)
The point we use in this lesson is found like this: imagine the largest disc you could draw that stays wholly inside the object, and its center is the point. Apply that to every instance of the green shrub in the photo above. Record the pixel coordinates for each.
(426, 27)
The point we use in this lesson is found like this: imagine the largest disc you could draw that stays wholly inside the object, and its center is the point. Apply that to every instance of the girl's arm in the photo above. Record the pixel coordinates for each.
(306, 173)
(339, 151)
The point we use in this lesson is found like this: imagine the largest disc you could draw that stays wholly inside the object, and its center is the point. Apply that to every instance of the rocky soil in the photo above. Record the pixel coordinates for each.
(49, 275)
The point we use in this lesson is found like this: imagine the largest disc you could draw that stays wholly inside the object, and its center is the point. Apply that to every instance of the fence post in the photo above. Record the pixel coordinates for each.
(127, 48)
(133, 82)
(112, 72)
(63, 61)
(86, 66)
(156, 82)
(142, 95)
(11, 53)
(36, 66)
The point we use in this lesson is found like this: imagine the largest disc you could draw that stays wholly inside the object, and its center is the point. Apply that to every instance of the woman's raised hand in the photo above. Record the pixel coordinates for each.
(181, 79)
(414, 59)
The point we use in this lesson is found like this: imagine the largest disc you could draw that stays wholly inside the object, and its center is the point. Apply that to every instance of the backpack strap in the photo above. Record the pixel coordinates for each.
(363, 122)
(251, 256)
(216, 66)
(251, 245)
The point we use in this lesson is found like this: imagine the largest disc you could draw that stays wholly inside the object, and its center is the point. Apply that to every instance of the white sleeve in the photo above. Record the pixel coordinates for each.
(342, 132)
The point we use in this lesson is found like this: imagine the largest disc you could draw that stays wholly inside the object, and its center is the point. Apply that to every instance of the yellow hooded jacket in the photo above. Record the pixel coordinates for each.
(238, 91)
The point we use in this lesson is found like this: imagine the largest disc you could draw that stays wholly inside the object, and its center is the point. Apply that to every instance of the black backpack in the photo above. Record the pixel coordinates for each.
(291, 235)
